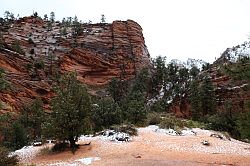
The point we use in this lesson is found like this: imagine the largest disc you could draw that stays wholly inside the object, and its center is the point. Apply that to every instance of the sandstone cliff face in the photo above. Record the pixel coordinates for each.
(101, 52)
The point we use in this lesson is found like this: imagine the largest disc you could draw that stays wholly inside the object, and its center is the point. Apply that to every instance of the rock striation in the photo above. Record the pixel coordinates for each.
(34, 51)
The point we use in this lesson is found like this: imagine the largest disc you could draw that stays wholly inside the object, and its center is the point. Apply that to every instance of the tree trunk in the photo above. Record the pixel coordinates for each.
(72, 142)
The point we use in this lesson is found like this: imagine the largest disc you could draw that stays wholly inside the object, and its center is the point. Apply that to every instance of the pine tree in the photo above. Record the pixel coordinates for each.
(134, 108)
(103, 18)
(32, 118)
(194, 71)
(52, 17)
(207, 96)
(159, 75)
(70, 110)
(45, 17)
(106, 113)
(118, 89)
(195, 100)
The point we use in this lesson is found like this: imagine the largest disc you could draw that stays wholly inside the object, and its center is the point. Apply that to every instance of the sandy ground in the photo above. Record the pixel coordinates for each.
(153, 148)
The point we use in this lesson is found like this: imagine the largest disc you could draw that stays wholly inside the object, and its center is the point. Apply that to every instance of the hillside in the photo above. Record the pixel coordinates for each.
(34, 51)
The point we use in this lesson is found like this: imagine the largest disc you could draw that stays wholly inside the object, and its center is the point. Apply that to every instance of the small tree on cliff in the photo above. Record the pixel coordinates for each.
(3, 83)
(103, 18)
(52, 17)
(70, 111)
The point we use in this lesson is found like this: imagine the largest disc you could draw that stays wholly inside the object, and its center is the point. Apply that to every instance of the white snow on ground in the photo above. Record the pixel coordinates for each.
(172, 132)
(188, 140)
(240, 50)
(183, 145)
(88, 160)
(27, 153)
(108, 135)
(79, 162)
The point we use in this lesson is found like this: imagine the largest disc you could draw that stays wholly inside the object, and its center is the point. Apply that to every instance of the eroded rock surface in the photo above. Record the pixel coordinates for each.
(98, 53)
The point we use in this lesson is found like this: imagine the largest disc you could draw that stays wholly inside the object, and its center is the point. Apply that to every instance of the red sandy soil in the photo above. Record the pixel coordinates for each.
(153, 148)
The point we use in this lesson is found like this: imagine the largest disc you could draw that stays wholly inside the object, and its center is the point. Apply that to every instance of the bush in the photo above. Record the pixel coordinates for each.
(46, 150)
(243, 125)
(39, 64)
(17, 47)
(5, 159)
(172, 122)
(30, 41)
(60, 147)
(13, 133)
(153, 118)
(125, 128)
(195, 124)
(223, 122)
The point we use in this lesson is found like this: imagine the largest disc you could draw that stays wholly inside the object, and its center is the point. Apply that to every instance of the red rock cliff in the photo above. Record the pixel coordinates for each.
(99, 53)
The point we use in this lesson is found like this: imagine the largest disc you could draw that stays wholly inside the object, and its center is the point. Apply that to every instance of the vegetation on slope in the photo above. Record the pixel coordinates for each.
(146, 99)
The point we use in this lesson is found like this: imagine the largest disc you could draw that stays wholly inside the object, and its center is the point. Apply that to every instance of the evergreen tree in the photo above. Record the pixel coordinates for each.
(77, 27)
(134, 108)
(141, 81)
(103, 18)
(243, 125)
(45, 17)
(12, 132)
(118, 89)
(32, 118)
(52, 17)
(207, 96)
(106, 113)
(6, 159)
(195, 100)
(159, 75)
(194, 71)
(70, 110)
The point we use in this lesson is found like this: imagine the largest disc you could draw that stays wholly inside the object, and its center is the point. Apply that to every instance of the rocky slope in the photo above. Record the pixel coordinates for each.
(227, 90)
(34, 51)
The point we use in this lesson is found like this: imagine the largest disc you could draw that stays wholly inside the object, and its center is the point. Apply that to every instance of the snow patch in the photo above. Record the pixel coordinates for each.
(88, 160)
(27, 153)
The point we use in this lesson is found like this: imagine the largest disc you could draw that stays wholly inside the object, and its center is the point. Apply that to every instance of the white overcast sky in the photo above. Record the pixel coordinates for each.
(177, 29)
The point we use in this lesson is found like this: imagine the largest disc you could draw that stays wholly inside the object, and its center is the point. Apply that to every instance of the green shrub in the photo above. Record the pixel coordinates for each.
(195, 124)
(60, 147)
(46, 150)
(153, 118)
(3, 83)
(243, 125)
(5, 159)
(223, 122)
(39, 64)
(125, 128)
(17, 47)
(30, 41)
(172, 122)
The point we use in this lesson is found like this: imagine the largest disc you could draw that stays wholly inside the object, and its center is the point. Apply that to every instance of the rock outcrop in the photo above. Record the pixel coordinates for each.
(35, 50)
(228, 91)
